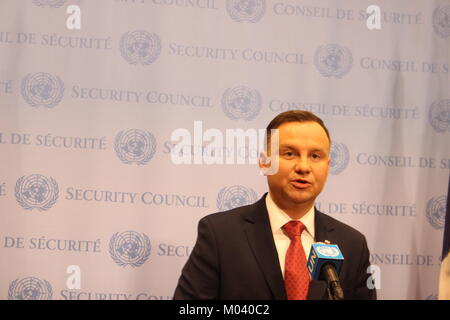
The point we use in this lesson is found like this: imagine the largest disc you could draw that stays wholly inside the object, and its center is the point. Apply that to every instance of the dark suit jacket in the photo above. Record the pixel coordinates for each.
(235, 258)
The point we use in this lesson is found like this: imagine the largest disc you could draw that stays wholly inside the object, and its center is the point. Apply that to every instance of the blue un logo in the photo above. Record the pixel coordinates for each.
(436, 208)
(140, 47)
(235, 196)
(135, 146)
(49, 3)
(439, 115)
(441, 21)
(42, 89)
(333, 60)
(36, 192)
(241, 103)
(246, 10)
(129, 248)
(30, 288)
(339, 157)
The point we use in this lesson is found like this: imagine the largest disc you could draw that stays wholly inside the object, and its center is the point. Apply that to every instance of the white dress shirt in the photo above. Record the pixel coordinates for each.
(279, 218)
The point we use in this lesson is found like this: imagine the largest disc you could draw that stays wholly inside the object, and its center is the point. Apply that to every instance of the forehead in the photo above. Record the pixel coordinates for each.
(303, 134)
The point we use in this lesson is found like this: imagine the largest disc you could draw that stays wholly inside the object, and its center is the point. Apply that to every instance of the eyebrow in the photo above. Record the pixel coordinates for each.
(293, 147)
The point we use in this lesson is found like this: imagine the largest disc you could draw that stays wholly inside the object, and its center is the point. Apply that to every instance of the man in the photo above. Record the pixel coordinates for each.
(259, 251)
(444, 279)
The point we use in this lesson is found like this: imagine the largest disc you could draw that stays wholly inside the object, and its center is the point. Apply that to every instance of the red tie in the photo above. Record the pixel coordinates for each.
(296, 275)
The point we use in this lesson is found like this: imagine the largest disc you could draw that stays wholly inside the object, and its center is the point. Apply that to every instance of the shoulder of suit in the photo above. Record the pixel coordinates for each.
(238, 213)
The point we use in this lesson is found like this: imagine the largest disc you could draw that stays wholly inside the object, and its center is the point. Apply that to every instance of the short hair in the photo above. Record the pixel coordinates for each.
(294, 116)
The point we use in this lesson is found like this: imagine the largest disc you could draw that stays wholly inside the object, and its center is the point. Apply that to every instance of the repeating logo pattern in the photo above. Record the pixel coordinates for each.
(246, 10)
(333, 60)
(241, 103)
(129, 248)
(441, 21)
(36, 192)
(30, 288)
(140, 47)
(439, 115)
(436, 208)
(49, 3)
(135, 146)
(235, 196)
(339, 157)
(42, 89)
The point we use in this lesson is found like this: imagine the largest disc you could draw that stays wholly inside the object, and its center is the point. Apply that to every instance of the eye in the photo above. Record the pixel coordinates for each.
(316, 156)
(288, 154)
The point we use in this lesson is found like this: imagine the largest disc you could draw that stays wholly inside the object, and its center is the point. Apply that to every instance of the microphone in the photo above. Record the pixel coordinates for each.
(324, 263)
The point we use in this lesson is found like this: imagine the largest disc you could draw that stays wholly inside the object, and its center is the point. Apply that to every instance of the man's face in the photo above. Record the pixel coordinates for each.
(303, 165)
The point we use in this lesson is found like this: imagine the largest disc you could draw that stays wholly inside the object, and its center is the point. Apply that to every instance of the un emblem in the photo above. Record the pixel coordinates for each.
(30, 288)
(235, 196)
(241, 103)
(328, 251)
(339, 157)
(135, 146)
(333, 60)
(42, 89)
(36, 192)
(436, 208)
(129, 248)
(439, 115)
(246, 10)
(49, 3)
(140, 47)
(441, 21)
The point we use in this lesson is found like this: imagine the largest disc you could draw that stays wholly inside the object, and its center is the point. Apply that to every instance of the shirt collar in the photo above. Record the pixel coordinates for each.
(279, 218)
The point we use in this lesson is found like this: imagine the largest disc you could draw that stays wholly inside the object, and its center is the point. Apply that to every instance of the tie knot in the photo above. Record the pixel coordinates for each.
(293, 229)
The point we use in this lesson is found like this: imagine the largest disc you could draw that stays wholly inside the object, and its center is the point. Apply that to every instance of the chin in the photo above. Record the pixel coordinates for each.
(302, 200)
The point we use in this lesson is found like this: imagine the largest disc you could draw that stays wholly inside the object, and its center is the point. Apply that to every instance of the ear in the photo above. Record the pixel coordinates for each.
(264, 160)
(263, 163)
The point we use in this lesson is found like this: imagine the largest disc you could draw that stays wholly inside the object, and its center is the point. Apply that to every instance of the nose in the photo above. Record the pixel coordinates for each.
(302, 166)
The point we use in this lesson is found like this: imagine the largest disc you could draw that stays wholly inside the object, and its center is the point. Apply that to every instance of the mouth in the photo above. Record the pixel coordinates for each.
(301, 183)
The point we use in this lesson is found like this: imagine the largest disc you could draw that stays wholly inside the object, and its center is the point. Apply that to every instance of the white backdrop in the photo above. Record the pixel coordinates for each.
(86, 117)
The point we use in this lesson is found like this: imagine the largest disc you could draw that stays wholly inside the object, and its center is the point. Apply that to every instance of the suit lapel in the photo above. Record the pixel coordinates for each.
(260, 238)
(259, 235)
(323, 227)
